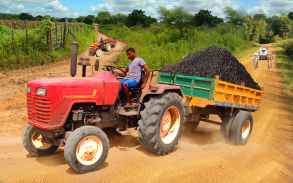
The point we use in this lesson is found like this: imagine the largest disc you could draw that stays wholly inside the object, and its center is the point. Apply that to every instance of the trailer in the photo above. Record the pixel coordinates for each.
(232, 103)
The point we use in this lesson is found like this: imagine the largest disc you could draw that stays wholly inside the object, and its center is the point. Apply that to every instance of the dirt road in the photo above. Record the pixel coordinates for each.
(201, 155)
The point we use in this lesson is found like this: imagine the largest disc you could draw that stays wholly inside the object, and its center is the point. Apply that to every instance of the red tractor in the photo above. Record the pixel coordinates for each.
(96, 48)
(73, 112)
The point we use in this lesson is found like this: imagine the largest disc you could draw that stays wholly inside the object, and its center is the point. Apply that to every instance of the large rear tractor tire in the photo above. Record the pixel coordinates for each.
(161, 123)
(86, 149)
(241, 128)
(108, 47)
(99, 53)
(34, 144)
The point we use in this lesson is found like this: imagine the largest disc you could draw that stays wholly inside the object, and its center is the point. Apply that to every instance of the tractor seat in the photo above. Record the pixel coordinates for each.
(138, 89)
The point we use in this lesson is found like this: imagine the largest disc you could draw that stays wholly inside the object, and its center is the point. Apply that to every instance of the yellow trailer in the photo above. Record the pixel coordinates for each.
(232, 103)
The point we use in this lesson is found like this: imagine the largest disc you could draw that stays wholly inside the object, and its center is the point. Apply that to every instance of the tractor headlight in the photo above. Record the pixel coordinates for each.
(28, 89)
(41, 91)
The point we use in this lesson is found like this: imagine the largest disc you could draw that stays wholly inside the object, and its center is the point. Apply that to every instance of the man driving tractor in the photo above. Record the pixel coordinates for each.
(133, 70)
(102, 41)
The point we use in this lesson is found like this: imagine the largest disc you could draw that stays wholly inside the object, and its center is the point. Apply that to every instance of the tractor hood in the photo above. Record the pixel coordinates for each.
(100, 86)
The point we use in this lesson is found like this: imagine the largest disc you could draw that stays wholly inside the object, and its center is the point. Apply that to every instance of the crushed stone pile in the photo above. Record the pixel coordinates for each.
(212, 61)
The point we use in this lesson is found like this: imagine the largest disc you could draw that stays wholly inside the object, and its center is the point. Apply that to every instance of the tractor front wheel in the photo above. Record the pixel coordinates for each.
(34, 144)
(99, 53)
(86, 149)
(161, 123)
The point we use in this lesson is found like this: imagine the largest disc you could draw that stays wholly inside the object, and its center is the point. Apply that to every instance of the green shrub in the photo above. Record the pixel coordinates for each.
(34, 51)
(158, 45)
(288, 47)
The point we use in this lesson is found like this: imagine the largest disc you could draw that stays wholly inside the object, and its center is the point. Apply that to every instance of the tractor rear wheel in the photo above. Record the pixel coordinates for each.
(86, 149)
(161, 123)
(108, 47)
(99, 53)
(34, 143)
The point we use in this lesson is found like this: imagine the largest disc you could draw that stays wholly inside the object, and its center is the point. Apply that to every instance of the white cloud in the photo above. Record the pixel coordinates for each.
(127, 6)
(215, 6)
(272, 7)
(151, 6)
(36, 7)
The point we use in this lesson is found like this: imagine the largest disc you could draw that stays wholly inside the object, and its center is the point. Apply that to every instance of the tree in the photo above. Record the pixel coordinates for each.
(234, 16)
(89, 19)
(204, 16)
(275, 24)
(285, 26)
(119, 18)
(39, 17)
(177, 16)
(259, 31)
(290, 15)
(248, 27)
(25, 16)
(80, 18)
(257, 17)
(103, 17)
(136, 17)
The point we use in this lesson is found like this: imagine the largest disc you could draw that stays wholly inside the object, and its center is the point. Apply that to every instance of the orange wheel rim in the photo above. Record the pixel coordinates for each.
(38, 141)
(246, 129)
(170, 125)
(89, 150)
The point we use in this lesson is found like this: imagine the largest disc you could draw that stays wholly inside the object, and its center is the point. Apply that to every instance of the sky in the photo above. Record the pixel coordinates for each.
(76, 8)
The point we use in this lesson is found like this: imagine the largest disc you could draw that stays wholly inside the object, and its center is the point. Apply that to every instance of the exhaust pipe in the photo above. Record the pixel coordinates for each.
(74, 47)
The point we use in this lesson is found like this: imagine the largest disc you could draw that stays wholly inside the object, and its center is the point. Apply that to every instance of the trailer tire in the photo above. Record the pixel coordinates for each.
(155, 134)
(114, 45)
(241, 128)
(108, 47)
(30, 139)
(226, 126)
(82, 139)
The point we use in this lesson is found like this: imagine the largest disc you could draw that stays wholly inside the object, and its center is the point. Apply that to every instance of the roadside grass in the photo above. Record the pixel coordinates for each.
(285, 63)
(250, 48)
(24, 53)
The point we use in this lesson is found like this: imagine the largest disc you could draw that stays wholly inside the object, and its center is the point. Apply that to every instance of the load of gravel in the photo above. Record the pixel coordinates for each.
(212, 61)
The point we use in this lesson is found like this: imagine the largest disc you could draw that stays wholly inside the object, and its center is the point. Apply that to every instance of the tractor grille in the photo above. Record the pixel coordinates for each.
(39, 110)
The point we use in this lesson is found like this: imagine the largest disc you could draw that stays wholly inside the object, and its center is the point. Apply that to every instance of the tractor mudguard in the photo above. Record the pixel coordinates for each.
(157, 89)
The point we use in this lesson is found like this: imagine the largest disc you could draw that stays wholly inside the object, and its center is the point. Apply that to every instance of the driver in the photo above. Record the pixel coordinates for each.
(133, 69)
(102, 41)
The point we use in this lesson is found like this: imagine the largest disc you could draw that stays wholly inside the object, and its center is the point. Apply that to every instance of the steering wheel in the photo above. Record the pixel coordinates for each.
(113, 67)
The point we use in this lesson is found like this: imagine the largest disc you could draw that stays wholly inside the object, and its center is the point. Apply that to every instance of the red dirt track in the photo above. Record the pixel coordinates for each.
(201, 155)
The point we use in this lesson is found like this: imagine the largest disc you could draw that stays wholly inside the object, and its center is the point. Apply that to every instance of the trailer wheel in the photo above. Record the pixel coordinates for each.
(226, 125)
(161, 123)
(108, 47)
(99, 53)
(34, 144)
(86, 149)
(241, 128)
(114, 45)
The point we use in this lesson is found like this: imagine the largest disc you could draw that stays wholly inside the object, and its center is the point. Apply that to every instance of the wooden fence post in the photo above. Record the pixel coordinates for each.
(12, 37)
(65, 28)
(56, 35)
(26, 33)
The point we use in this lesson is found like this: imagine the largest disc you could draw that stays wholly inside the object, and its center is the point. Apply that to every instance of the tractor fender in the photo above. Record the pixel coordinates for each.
(157, 89)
